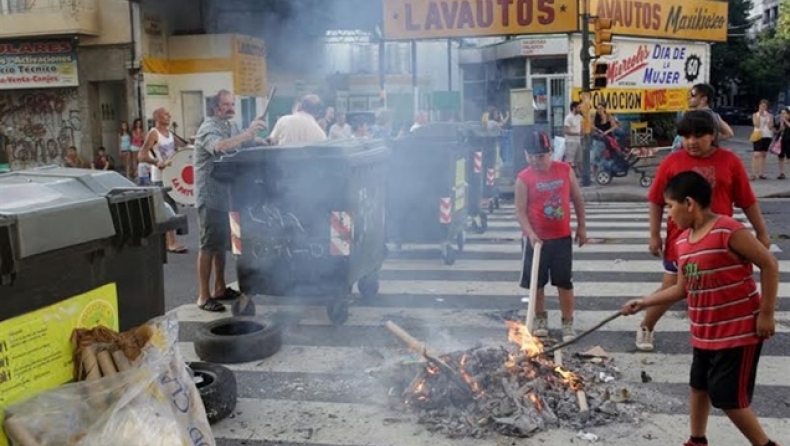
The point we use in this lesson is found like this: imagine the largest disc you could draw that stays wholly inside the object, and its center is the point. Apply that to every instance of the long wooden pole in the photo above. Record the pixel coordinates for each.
(533, 282)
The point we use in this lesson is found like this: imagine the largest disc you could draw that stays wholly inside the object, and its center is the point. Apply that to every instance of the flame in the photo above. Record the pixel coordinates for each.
(467, 377)
(570, 378)
(537, 402)
(517, 333)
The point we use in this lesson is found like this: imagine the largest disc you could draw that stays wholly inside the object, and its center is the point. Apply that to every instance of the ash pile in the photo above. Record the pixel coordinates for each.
(515, 391)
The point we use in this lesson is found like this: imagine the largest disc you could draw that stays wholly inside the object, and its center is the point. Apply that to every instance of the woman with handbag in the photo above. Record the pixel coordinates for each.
(780, 145)
(761, 138)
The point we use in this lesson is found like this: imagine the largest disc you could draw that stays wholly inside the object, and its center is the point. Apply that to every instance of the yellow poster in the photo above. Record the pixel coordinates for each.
(419, 19)
(701, 20)
(35, 348)
(460, 183)
(638, 100)
(249, 67)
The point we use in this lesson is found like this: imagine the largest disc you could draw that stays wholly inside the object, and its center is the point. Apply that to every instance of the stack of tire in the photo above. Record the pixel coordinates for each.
(231, 340)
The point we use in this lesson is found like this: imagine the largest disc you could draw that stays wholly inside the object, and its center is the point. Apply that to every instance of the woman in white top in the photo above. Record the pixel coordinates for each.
(763, 123)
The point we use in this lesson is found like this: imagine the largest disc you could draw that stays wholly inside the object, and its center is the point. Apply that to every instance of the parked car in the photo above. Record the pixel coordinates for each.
(735, 115)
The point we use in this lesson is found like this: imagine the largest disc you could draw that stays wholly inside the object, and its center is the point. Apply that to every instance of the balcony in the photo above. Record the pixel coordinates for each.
(41, 18)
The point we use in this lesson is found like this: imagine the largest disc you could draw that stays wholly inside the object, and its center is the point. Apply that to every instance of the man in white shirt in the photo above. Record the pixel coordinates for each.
(301, 126)
(573, 136)
(340, 129)
(420, 120)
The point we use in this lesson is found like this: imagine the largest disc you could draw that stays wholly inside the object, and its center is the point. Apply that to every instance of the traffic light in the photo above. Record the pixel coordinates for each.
(599, 75)
(603, 36)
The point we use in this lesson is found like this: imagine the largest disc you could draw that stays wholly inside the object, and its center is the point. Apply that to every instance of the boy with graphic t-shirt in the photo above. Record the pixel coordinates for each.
(729, 319)
(544, 191)
(727, 176)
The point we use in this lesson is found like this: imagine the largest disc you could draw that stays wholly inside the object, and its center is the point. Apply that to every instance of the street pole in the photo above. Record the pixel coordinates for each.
(586, 107)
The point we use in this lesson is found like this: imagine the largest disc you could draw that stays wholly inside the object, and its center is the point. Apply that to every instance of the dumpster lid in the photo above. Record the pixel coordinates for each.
(325, 150)
(54, 208)
(477, 129)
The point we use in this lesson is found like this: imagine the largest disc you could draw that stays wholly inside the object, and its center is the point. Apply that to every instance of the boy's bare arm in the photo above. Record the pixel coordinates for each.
(656, 216)
(755, 216)
(581, 213)
(749, 248)
(521, 198)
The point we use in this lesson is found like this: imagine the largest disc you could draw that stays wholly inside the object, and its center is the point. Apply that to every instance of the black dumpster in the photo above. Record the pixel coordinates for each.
(427, 189)
(483, 193)
(308, 220)
(67, 232)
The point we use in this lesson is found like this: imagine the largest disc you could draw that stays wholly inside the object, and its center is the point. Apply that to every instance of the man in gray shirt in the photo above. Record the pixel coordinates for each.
(217, 134)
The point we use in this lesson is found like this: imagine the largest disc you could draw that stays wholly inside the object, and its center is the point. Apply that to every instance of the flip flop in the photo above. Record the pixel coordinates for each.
(178, 250)
(212, 306)
(229, 294)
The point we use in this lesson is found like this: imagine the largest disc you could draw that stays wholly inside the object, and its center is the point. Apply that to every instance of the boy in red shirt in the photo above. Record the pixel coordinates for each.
(730, 182)
(729, 319)
(544, 191)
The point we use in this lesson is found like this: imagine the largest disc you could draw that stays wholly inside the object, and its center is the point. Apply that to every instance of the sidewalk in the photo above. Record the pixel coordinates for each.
(627, 189)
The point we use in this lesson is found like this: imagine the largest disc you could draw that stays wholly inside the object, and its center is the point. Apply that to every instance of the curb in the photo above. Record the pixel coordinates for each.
(614, 197)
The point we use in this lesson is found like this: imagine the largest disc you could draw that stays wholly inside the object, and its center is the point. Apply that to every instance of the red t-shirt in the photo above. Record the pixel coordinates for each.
(722, 295)
(548, 200)
(726, 174)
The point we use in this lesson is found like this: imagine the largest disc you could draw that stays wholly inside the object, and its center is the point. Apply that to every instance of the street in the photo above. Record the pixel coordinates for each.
(318, 390)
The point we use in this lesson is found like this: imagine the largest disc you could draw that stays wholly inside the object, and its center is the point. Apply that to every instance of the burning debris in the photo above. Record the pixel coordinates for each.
(515, 391)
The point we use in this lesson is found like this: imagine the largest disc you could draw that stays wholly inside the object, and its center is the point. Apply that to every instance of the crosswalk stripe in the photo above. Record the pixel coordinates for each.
(515, 247)
(662, 368)
(362, 316)
(641, 224)
(612, 265)
(320, 423)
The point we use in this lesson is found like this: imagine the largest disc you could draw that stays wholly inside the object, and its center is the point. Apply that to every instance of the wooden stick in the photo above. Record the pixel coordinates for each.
(581, 335)
(582, 397)
(434, 359)
(19, 434)
(90, 364)
(533, 282)
(106, 364)
(121, 361)
(558, 358)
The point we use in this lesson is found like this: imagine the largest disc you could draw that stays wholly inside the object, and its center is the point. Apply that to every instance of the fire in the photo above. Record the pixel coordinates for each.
(467, 377)
(519, 334)
(570, 378)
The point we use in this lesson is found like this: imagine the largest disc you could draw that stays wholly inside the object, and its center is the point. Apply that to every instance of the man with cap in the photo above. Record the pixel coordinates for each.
(544, 192)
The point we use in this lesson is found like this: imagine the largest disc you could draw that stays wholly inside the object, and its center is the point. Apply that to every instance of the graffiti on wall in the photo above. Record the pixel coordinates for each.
(40, 124)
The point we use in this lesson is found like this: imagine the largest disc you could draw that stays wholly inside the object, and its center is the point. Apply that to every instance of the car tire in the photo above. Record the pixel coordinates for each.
(217, 387)
(235, 340)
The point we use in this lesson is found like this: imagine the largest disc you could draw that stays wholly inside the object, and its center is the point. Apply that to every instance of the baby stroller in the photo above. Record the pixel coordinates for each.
(612, 161)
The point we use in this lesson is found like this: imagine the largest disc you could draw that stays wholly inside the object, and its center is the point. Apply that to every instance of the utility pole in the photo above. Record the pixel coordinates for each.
(602, 47)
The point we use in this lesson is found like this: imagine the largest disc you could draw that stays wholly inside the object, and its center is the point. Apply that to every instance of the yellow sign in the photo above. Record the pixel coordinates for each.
(639, 101)
(420, 19)
(702, 20)
(249, 67)
(35, 348)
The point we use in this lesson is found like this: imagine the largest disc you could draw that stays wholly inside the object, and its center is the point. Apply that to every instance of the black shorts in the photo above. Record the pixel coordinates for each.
(762, 145)
(727, 375)
(214, 230)
(556, 262)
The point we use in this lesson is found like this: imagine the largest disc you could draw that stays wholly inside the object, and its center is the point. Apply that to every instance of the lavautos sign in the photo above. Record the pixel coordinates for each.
(653, 64)
(38, 64)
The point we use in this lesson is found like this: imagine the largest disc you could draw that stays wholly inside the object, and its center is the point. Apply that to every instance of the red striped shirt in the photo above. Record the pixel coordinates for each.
(722, 295)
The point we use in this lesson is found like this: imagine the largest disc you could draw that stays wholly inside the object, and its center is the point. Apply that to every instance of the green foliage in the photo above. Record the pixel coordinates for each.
(766, 69)
(727, 57)
(783, 23)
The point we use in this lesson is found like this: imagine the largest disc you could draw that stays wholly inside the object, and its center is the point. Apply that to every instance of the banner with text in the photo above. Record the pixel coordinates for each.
(440, 19)
(38, 64)
(701, 20)
(651, 64)
(639, 101)
(249, 67)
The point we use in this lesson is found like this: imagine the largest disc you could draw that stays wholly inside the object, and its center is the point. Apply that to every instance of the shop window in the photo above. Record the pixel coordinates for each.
(549, 66)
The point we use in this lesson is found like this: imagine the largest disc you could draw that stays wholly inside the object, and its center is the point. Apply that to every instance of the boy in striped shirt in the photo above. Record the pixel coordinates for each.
(729, 319)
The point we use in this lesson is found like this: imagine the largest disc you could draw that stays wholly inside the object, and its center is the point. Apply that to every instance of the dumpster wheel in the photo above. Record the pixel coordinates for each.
(368, 285)
(448, 254)
(338, 312)
(217, 387)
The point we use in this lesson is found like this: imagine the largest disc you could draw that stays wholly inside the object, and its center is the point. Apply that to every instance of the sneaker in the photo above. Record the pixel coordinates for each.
(694, 443)
(568, 333)
(541, 325)
(644, 340)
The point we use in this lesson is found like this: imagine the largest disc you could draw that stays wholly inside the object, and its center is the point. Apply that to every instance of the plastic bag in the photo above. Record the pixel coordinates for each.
(559, 148)
(155, 403)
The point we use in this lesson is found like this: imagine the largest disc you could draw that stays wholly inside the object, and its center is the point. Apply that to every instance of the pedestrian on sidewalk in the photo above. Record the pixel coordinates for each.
(729, 319)
(783, 135)
(544, 192)
(761, 138)
(217, 134)
(726, 174)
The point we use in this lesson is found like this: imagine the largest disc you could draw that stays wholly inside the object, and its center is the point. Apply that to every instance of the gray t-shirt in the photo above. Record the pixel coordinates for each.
(208, 191)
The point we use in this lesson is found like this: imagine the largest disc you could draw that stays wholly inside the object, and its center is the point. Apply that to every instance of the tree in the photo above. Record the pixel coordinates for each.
(783, 22)
(727, 57)
(767, 68)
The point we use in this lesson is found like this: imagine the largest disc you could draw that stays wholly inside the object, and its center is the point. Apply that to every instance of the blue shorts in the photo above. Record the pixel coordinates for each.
(670, 267)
